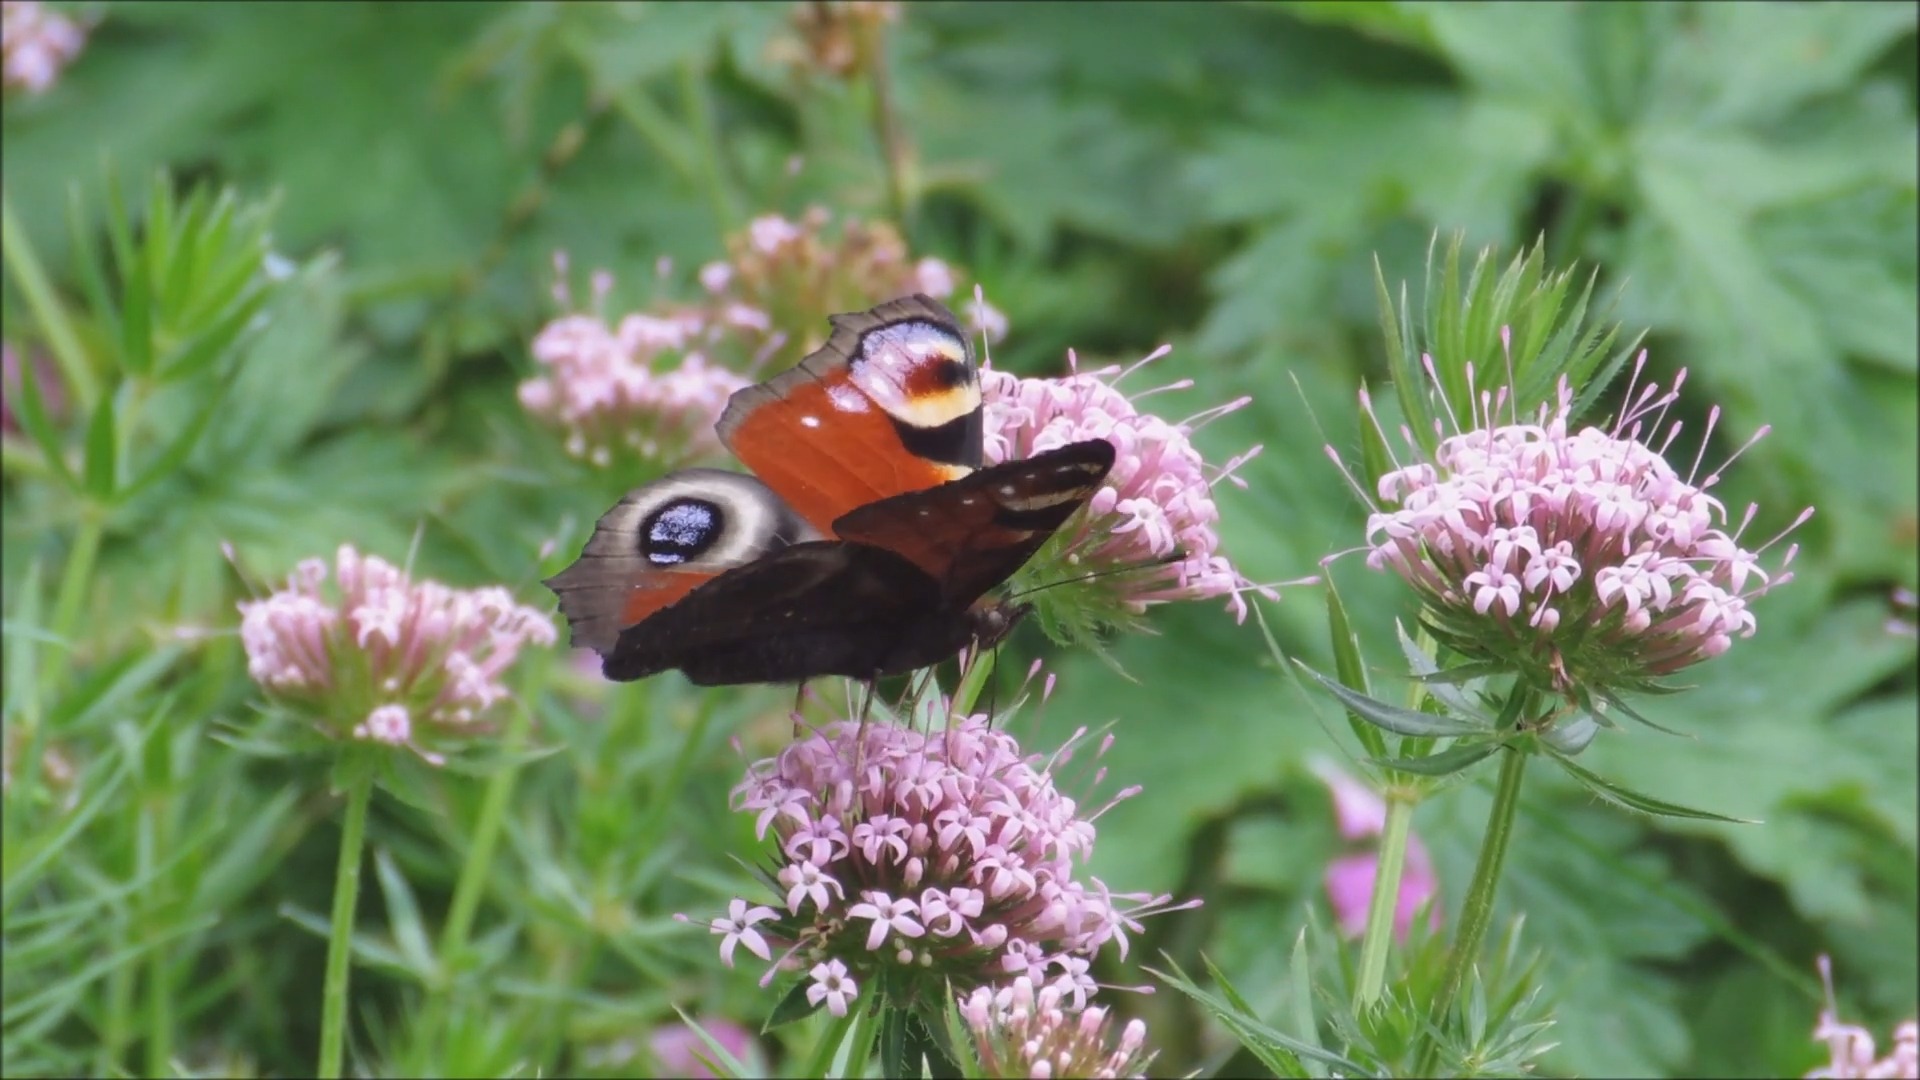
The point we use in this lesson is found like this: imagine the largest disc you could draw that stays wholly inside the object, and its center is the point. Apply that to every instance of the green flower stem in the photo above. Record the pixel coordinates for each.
(827, 1050)
(154, 836)
(346, 896)
(706, 140)
(76, 580)
(856, 1048)
(1477, 913)
(28, 274)
(974, 680)
(1386, 901)
(886, 126)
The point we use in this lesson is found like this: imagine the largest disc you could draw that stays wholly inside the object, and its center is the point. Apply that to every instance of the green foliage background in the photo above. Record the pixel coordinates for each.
(1220, 176)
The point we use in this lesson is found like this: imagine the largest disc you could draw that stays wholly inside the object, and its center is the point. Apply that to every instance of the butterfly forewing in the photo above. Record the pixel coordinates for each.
(891, 403)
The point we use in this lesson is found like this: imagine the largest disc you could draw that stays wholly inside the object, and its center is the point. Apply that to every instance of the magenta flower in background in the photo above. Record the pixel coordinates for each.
(1021, 1031)
(35, 45)
(1580, 557)
(1851, 1047)
(1156, 512)
(381, 657)
(947, 854)
(1360, 814)
(679, 1050)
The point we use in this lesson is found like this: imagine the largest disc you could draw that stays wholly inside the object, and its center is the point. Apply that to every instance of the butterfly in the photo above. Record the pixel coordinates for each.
(863, 544)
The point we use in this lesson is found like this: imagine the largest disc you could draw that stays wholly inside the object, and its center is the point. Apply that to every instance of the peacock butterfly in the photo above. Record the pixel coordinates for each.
(866, 540)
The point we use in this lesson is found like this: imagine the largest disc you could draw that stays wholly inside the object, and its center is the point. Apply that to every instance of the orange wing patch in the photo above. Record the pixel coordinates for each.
(889, 404)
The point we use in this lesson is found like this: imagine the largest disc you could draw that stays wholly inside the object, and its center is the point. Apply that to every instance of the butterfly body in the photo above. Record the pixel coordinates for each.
(866, 541)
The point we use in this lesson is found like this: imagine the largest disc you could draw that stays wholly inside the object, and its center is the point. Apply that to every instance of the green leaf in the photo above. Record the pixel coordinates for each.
(1351, 668)
(1443, 762)
(103, 450)
(1398, 720)
(1281, 1053)
(1300, 996)
(794, 1006)
(403, 917)
(1627, 799)
(30, 407)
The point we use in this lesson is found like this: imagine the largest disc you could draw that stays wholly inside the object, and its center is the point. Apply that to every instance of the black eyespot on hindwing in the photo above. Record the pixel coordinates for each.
(680, 531)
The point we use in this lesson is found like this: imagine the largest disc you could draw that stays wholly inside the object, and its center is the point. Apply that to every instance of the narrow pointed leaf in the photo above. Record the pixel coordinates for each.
(794, 1006)
(1444, 763)
(103, 449)
(1350, 667)
(1627, 799)
(31, 409)
(1398, 720)
(1633, 714)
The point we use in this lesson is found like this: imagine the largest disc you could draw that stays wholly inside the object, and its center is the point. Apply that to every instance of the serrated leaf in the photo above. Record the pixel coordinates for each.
(1398, 720)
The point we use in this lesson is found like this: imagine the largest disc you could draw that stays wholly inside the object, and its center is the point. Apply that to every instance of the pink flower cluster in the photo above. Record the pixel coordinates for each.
(1582, 551)
(1360, 814)
(1156, 512)
(1853, 1056)
(792, 270)
(646, 384)
(945, 856)
(1021, 1031)
(388, 653)
(35, 44)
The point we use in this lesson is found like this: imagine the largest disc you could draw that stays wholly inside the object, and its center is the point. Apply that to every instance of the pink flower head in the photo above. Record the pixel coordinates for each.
(1360, 814)
(786, 273)
(948, 855)
(1155, 516)
(1579, 557)
(1851, 1049)
(679, 1050)
(35, 44)
(646, 385)
(1026, 1029)
(381, 657)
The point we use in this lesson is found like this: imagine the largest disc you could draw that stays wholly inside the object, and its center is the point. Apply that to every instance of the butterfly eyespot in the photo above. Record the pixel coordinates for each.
(680, 531)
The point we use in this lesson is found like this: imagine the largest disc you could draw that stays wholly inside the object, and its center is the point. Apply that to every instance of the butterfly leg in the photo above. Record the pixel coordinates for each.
(868, 687)
(799, 697)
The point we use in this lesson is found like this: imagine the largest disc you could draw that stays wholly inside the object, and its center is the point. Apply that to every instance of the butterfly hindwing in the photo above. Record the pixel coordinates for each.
(890, 404)
(971, 534)
(661, 542)
(819, 608)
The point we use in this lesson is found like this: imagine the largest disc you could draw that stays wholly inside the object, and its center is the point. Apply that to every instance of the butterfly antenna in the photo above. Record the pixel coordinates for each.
(1175, 556)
